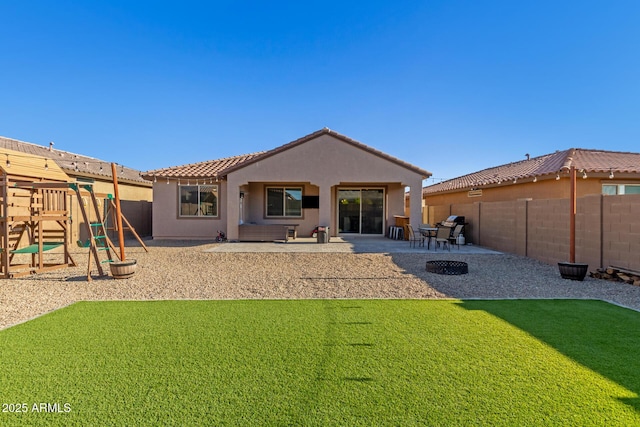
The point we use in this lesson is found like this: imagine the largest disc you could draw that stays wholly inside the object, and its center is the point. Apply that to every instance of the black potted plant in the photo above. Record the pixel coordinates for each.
(573, 270)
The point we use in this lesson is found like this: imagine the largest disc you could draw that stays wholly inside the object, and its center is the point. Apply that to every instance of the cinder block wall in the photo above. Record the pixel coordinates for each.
(607, 228)
(498, 226)
(440, 213)
(621, 231)
(548, 230)
(589, 223)
(470, 214)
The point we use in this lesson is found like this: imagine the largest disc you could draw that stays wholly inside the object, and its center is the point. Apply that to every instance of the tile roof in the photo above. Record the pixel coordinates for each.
(587, 160)
(207, 169)
(221, 167)
(72, 163)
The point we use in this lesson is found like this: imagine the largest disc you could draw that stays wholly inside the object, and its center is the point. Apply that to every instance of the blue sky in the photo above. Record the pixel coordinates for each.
(450, 86)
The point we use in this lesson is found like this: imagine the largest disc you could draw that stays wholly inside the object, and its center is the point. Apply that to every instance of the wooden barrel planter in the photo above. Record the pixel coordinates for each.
(573, 270)
(123, 269)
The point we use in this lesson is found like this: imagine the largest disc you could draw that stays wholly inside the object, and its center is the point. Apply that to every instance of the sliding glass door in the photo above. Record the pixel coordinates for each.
(361, 210)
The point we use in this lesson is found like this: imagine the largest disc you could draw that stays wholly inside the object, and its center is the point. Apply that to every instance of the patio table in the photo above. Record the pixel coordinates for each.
(428, 233)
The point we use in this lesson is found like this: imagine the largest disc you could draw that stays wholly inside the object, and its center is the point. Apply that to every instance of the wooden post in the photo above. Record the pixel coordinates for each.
(93, 251)
(4, 221)
(118, 211)
(131, 229)
(572, 218)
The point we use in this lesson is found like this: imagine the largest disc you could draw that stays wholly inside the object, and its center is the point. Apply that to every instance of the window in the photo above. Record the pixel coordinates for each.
(198, 200)
(283, 202)
(632, 189)
(613, 189)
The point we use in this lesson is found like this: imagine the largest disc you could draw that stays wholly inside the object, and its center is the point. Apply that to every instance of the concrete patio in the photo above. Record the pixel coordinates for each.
(345, 244)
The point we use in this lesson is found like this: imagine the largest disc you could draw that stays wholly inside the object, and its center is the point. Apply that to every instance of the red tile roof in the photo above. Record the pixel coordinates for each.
(207, 169)
(589, 161)
(220, 168)
(74, 164)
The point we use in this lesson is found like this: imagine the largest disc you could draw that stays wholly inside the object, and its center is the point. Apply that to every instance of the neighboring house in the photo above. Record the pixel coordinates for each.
(525, 207)
(135, 193)
(543, 177)
(324, 178)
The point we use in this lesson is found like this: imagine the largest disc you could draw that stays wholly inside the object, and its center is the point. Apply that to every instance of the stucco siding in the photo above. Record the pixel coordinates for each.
(320, 164)
(325, 159)
(327, 163)
(255, 206)
(167, 224)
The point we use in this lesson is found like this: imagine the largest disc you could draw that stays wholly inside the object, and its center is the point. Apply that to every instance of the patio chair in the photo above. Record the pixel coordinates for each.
(415, 237)
(442, 236)
(453, 239)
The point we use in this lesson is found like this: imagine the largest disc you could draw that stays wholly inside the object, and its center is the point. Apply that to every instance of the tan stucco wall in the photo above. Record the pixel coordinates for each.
(126, 191)
(168, 225)
(327, 163)
(255, 206)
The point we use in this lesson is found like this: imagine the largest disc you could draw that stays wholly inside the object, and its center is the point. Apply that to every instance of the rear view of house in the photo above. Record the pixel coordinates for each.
(324, 178)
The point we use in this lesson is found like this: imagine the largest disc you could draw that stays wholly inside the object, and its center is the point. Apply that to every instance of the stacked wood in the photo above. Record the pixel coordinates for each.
(617, 274)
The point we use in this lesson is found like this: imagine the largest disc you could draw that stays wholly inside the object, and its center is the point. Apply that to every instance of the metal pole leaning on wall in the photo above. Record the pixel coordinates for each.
(572, 218)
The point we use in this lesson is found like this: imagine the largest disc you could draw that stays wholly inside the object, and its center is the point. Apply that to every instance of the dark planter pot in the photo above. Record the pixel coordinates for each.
(573, 270)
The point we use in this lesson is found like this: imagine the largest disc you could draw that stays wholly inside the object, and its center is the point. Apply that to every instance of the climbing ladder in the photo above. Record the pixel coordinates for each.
(99, 243)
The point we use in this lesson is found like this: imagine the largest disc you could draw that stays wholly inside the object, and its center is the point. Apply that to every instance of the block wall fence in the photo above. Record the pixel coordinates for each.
(607, 228)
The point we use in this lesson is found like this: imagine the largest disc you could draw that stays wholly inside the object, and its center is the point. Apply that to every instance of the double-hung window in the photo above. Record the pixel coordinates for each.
(198, 200)
(284, 202)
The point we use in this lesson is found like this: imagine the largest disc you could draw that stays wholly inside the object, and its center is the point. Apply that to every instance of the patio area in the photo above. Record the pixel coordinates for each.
(346, 244)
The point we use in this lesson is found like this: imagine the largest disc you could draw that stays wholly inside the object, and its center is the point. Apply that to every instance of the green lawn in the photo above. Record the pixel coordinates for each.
(324, 362)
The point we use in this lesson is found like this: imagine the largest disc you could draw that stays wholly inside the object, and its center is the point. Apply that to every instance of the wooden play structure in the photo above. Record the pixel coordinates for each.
(98, 243)
(35, 218)
(34, 215)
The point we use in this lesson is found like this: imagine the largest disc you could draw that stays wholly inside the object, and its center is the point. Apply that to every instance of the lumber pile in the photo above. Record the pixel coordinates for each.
(616, 274)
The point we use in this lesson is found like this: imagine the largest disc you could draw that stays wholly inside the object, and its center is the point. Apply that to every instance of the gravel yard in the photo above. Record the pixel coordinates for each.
(183, 270)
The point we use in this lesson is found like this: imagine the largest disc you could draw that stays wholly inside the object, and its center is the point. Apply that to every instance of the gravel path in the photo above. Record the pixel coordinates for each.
(183, 270)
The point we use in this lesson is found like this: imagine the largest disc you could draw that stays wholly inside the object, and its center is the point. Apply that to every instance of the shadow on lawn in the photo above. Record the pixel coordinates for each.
(598, 335)
(342, 333)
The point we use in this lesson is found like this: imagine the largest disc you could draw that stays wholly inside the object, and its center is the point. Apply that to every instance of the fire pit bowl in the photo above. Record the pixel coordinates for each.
(447, 267)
